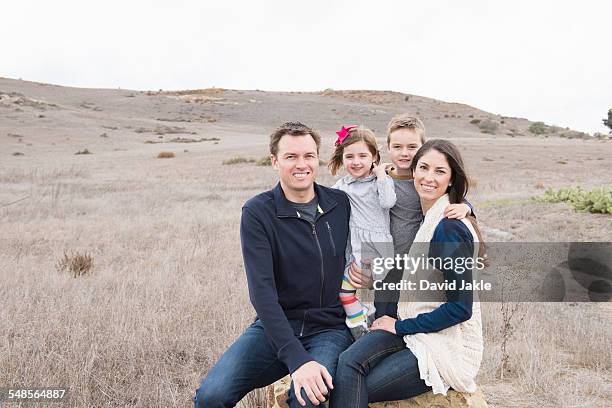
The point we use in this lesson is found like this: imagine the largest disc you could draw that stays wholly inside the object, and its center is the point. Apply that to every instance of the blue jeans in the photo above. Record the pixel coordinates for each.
(377, 367)
(251, 363)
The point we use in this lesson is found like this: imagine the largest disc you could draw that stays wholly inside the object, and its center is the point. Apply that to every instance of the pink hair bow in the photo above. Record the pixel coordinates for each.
(343, 133)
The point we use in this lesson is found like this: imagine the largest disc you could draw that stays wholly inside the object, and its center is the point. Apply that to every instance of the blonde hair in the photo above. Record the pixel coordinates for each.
(358, 134)
(406, 121)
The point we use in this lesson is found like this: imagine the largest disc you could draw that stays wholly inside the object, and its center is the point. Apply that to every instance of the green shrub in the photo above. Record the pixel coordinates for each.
(608, 121)
(488, 126)
(538, 128)
(598, 200)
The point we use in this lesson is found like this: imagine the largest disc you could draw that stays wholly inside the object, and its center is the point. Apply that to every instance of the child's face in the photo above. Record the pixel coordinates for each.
(357, 159)
(403, 145)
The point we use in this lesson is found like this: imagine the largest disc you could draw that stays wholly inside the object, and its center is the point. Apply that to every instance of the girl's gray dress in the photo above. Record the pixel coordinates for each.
(371, 198)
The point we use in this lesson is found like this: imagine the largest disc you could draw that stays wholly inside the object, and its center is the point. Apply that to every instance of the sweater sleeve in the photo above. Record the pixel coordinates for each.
(471, 207)
(451, 239)
(386, 192)
(257, 254)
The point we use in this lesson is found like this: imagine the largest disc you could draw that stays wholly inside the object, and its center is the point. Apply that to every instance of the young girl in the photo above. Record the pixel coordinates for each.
(371, 194)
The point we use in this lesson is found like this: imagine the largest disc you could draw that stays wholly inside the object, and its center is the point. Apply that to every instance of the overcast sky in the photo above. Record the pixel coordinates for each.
(543, 60)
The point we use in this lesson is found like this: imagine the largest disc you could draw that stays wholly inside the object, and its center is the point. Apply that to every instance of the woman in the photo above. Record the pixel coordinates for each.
(438, 345)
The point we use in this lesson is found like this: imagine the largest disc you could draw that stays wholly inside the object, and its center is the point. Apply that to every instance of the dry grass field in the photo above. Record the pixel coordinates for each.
(166, 292)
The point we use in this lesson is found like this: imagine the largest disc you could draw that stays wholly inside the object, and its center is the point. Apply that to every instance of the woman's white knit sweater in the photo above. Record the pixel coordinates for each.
(450, 357)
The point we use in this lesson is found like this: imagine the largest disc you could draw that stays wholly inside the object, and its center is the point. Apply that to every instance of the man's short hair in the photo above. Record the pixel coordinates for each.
(292, 129)
(406, 121)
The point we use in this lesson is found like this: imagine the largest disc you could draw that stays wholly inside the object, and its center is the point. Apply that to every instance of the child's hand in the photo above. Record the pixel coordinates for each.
(381, 170)
(457, 211)
(358, 278)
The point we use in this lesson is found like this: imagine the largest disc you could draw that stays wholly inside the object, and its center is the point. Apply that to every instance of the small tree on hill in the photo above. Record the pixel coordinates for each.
(608, 122)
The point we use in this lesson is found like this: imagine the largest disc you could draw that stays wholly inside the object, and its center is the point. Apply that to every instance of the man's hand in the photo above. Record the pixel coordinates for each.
(311, 376)
(358, 279)
(457, 211)
(384, 323)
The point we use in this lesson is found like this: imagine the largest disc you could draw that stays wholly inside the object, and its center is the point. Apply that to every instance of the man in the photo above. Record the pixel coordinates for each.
(293, 244)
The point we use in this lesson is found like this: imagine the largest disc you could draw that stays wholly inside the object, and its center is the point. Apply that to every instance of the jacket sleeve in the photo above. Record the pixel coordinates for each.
(451, 239)
(257, 254)
(386, 192)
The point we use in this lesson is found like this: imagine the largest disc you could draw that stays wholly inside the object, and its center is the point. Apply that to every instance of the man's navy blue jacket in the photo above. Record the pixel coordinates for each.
(294, 267)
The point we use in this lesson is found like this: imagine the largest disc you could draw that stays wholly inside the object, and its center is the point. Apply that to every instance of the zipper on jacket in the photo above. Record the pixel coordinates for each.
(316, 237)
(331, 238)
(303, 322)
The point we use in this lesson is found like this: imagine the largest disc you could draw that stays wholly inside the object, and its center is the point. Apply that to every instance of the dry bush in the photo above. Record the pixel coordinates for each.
(84, 151)
(488, 126)
(165, 155)
(238, 160)
(183, 140)
(76, 263)
(42, 176)
(556, 355)
(265, 161)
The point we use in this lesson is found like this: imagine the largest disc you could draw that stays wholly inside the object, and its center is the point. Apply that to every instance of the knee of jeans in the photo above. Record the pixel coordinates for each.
(211, 397)
(348, 359)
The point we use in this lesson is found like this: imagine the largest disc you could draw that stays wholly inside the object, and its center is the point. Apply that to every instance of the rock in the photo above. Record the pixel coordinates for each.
(277, 393)
(277, 398)
(452, 399)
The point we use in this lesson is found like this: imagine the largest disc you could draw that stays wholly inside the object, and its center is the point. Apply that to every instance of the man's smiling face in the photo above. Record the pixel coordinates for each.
(297, 162)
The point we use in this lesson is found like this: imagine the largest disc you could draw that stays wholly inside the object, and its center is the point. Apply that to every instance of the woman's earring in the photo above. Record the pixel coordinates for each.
(449, 184)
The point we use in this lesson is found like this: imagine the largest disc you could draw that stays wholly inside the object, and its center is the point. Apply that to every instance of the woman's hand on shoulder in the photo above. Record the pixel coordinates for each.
(384, 323)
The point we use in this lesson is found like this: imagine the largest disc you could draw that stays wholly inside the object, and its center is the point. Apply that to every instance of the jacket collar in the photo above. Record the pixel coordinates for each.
(350, 179)
(285, 209)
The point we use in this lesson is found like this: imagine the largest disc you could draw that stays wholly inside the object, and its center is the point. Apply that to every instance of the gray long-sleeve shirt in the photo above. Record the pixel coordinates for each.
(406, 215)
(370, 198)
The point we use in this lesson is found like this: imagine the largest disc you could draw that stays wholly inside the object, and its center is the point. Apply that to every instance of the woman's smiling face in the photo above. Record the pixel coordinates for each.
(432, 176)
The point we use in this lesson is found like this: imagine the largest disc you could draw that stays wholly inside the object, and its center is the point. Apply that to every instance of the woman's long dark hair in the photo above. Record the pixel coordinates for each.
(459, 182)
